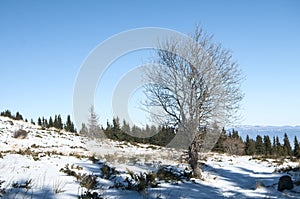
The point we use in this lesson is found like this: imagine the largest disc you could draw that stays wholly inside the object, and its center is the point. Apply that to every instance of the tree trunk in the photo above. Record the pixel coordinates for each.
(193, 156)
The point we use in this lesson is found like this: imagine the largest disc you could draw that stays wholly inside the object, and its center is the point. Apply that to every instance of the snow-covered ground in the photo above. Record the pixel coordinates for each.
(37, 167)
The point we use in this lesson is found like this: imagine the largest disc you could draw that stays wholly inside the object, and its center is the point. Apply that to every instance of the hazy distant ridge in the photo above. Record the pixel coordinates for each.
(279, 131)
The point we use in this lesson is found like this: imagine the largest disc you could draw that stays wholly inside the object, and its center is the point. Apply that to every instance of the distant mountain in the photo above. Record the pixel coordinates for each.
(279, 131)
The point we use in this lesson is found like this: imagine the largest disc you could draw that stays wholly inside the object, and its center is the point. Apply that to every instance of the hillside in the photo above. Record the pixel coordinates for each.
(48, 163)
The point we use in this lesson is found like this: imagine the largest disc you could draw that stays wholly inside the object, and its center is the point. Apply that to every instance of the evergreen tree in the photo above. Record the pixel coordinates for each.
(39, 121)
(94, 128)
(69, 126)
(114, 131)
(267, 145)
(296, 151)
(50, 122)
(32, 122)
(116, 124)
(219, 146)
(147, 130)
(259, 146)
(136, 132)
(235, 134)
(162, 135)
(84, 130)
(287, 146)
(44, 122)
(125, 127)
(274, 147)
(249, 146)
(18, 116)
(154, 130)
(279, 149)
(55, 122)
(6, 113)
(59, 122)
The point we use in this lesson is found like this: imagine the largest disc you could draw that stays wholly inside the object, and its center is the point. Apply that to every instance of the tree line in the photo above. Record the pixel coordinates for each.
(232, 143)
(161, 135)
(55, 122)
(7, 113)
(229, 141)
(156, 135)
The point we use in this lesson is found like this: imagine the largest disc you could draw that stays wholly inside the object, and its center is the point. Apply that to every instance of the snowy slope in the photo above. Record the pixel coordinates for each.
(44, 155)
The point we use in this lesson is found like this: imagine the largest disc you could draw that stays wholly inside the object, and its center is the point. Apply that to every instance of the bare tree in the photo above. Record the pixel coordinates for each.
(196, 84)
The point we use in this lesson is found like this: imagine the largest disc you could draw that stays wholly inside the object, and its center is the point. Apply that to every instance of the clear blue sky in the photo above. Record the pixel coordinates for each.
(44, 43)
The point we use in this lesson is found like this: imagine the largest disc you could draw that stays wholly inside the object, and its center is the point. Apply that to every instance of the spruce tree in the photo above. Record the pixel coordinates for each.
(59, 122)
(6, 113)
(18, 116)
(147, 130)
(55, 123)
(116, 124)
(69, 126)
(39, 121)
(84, 130)
(125, 127)
(117, 129)
(274, 146)
(137, 132)
(50, 124)
(259, 146)
(32, 122)
(287, 146)
(279, 148)
(94, 128)
(234, 134)
(249, 146)
(267, 145)
(219, 146)
(296, 151)
(44, 122)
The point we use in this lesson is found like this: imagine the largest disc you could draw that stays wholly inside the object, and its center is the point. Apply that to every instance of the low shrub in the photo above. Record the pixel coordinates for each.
(172, 173)
(88, 181)
(20, 134)
(259, 185)
(107, 171)
(85, 180)
(68, 171)
(134, 181)
(35, 155)
(90, 195)
(145, 180)
(26, 185)
(2, 190)
(110, 158)
(93, 159)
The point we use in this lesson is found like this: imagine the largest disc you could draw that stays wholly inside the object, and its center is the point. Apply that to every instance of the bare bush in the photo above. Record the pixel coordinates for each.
(20, 134)
(234, 146)
(58, 186)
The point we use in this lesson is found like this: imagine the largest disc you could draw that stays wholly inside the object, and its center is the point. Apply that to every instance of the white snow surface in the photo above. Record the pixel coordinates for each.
(224, 176)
